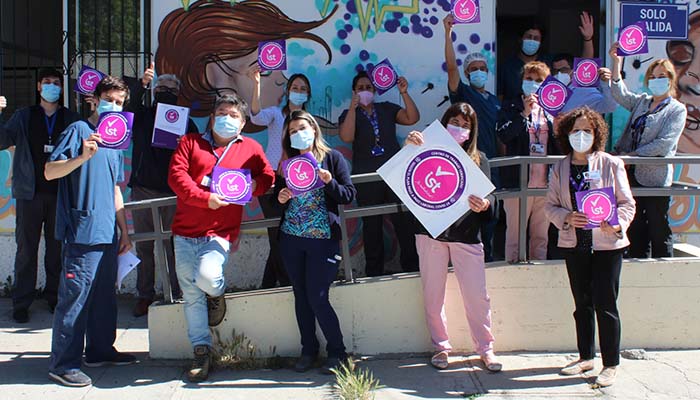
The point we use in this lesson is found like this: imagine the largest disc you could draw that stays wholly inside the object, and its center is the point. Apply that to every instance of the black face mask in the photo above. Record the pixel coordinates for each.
(166, 97)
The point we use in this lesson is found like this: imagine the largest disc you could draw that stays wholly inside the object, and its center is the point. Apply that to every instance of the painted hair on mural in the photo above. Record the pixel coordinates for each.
(213, 32)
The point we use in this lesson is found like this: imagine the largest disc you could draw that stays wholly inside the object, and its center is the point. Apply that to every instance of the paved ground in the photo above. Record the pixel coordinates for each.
(24, 351)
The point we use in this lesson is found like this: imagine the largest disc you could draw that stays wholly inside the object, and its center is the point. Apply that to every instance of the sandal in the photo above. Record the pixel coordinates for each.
(440, 360)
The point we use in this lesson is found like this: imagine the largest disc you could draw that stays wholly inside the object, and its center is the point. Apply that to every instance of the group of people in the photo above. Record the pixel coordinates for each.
(65, 182)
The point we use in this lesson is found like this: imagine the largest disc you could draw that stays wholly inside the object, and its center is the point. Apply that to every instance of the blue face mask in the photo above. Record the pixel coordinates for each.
(50, 92)
(302, 140)
(659, 86)
(298, 98)
(530, 47)
(226, 126)
(530, 87)
(478, 78)
(106, 106)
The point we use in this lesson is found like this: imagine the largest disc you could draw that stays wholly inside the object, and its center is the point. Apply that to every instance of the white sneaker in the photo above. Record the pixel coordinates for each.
(606, 377)
(577, 367)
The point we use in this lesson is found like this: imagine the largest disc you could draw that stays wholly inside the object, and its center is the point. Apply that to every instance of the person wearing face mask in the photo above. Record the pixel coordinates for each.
(459, 245)
(526, 130)
(298, 92)
(310, 239)
(33, 131)
(89, 215)
(598, 99)
(593, 256)
(205, 226)
(371, 128)
(530, 46)
(653, 130)
(149, 180)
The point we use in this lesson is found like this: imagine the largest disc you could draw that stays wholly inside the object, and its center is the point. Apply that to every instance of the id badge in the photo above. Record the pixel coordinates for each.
(537, 148)
(591, 176)
(48, 149)
(377, 151)
(206, 181)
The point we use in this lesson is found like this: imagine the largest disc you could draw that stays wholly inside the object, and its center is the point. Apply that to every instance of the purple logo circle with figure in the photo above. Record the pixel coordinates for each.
(88, 80)
(435, 179)
(232, 185)
(172, 116)
(113, 129)
(553, 95)
(383, 76)
(586, 72)
(271, 55)
(597, 207)
(632, 39)
(465, 10)
(301, 174)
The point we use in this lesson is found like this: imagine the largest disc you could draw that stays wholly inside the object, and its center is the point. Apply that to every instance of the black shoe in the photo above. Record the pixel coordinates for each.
(216, 306)
(304, 363)
(52, 305)
(119, 359)
(73, 379)
(199, 371)
(333, 363)
(21, 315)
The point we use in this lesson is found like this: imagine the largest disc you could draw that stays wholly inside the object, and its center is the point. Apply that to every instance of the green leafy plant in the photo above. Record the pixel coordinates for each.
(353, 383)
(240, 352)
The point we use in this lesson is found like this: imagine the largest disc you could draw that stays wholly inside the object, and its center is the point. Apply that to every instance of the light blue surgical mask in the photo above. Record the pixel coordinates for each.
(106, 106)
(226, 126)
(563, 77)
(50, 92)
(530, 87)
(659, 86)
(303, 139)
(530, 47)
(298, 98)
(478, 78)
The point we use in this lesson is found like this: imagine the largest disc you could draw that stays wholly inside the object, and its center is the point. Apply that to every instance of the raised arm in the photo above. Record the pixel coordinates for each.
(63, 161)
(408, 115)
(453, 77)
(587, 31)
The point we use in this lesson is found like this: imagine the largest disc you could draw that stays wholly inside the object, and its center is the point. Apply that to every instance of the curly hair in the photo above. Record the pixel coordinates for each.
(565, 124)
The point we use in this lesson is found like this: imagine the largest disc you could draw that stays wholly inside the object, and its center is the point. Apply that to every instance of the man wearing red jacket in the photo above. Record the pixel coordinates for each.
(205, 224)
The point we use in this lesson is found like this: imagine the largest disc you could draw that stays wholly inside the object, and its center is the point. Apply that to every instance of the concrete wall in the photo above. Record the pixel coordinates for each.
(532, 308)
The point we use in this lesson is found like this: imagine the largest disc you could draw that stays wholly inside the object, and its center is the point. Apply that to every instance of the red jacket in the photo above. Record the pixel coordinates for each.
(192, 161)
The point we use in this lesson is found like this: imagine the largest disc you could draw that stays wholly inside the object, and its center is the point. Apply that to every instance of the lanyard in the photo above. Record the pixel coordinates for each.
(219, 158)
(537, 124)
(639, 123)
(373, 120)
(578, 186)
(50, 123)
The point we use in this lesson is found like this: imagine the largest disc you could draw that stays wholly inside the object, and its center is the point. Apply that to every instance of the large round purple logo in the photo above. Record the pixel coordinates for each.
(435, 179)
(465, 11)
(113, 129)
(383, 76)
(271, 55)
(632, 39)
(172, 116)
(586, 73)
(553, 95)
(597, 206)
(301, 174)
(88, 81)
(232, 185)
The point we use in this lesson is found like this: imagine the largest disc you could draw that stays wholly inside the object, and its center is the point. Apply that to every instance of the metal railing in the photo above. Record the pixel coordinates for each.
(357, 212)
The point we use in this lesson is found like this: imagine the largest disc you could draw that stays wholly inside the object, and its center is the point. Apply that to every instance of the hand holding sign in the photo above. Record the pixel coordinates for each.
(577, 219)
(598, 205)
(272, 55)
(115, 129)
(586, 72)
(216, 202)
(466, 11)
(87, 80)
(632, 40)
(302, 174)
(90, 147)
(383, 76)
(553, 95)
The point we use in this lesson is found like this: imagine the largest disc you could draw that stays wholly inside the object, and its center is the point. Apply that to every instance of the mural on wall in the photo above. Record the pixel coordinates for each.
(211, 45)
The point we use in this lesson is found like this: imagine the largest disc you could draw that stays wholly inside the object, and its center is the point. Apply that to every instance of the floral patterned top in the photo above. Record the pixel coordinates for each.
(307, 216)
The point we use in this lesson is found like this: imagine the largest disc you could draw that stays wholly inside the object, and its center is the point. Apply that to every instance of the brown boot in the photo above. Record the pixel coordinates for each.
(216, 306)
(199, 371)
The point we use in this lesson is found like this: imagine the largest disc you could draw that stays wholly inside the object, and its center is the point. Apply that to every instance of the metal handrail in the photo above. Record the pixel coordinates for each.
(357, 212)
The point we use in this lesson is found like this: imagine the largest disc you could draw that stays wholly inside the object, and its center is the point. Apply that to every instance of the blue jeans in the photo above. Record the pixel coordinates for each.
(199, 263)
(86, 312)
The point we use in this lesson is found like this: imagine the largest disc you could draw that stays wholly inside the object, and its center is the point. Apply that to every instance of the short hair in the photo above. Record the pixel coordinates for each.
(565, 124)
(111, 83)
(564, 56)
(537, 67)
(168, 77)
(234, 100)
(672, 76)
(533, 24)
(49, 73)
(360, 75)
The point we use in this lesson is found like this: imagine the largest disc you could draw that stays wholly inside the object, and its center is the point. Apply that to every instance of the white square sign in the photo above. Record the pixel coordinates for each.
(435, 180)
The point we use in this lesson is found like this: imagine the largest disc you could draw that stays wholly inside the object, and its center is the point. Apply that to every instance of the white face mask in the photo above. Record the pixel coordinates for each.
(581, 141)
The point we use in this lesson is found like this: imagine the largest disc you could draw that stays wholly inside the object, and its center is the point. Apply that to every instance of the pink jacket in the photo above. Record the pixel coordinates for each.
(558, 203)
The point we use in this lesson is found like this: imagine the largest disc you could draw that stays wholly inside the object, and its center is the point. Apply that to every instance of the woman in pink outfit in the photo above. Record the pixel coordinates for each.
(461, 245)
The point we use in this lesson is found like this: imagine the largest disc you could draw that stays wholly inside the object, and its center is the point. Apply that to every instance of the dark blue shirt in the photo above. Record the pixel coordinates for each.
(486, 106)
(85, 212)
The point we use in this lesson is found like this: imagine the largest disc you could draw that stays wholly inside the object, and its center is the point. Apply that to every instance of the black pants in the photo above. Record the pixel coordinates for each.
(32, 215)
(374, 193)
(274, 268)
(595, 283)
(650, 233)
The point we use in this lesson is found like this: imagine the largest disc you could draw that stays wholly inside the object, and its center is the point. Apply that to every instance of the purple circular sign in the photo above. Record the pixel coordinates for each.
(597, 206)
(271, 55)
(232, 185)
(435, 179)
(113, 129)
(88, 80)
(301, 174)
(553, 95)
(465, 11)
(586, 72)
(632, 39)
(172, 116)
(383, 76)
